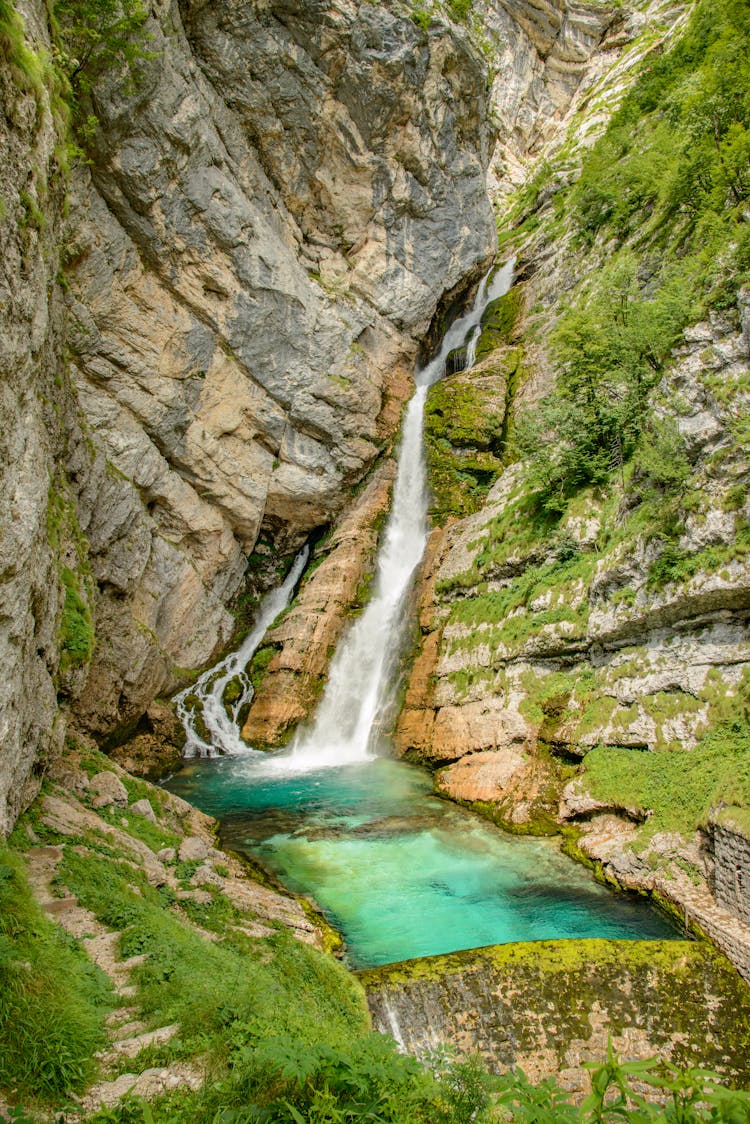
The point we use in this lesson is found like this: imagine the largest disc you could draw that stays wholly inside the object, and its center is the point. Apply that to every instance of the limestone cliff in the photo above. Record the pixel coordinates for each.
(262, 231)
(251, 258)
(31, 431)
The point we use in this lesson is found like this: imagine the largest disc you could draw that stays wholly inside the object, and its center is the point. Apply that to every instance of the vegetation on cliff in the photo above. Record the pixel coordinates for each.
(662, 200)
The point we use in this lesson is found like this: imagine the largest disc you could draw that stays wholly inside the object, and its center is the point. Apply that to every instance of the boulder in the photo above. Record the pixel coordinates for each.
(107, 789)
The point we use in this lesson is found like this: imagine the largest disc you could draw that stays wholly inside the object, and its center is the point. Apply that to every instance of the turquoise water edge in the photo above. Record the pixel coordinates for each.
(399, 872)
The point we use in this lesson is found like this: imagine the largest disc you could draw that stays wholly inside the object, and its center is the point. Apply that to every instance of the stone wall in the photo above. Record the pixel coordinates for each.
(732, 864)
(551, 1006)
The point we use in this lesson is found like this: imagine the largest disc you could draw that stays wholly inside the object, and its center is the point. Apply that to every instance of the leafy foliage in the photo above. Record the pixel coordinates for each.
(370, 1081)
(459, 9)
(610, 353)
(690, 1096)
(98, 36)
(665, 190)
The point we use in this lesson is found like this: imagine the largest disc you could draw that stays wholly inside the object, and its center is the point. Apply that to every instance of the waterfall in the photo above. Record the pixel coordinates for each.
(222, 727)
(362, 676)
(471, 347)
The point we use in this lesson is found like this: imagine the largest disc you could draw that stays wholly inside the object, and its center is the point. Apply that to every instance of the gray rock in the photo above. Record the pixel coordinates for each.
(108, 789)
(143, 808)
(166, 855)
(192, 849)
(206, 876)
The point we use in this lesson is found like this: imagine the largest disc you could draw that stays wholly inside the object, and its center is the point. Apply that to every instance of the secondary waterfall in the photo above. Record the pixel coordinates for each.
(362, 673)
(208, 690)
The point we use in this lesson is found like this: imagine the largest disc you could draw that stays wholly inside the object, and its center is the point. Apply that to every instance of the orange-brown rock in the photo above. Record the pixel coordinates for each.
(451, 732)
(308, 634)
(482, 776)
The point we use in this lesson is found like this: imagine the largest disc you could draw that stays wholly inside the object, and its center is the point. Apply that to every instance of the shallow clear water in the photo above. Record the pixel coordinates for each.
(399, 872)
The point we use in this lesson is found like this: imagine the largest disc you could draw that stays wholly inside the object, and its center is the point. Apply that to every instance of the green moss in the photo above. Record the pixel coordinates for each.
(498, 322)
(259, 664)
(526, 988)
(736, 818)
(465, 425)
(76, 627)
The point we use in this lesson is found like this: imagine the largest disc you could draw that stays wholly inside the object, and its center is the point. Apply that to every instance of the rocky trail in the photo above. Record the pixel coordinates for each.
(128, 1033)
(72, 813)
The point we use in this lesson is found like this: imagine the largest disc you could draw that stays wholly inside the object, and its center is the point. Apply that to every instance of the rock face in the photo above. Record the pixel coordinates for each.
(554, 56)
(549, 1007)
(603, 656)
(31, 437)
(251, 257)
(265, 229)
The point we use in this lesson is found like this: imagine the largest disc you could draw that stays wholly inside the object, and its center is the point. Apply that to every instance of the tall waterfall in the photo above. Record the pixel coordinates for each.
(361, 678)
(362, 673)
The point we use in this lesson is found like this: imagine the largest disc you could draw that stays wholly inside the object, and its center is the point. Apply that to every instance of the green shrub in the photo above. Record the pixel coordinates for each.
(459, 9)
(664, 194)
(95, 37)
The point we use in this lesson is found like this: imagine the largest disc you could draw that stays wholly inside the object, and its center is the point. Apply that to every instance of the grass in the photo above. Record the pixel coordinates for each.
(677, 566)
(140, 827)
(53, 1001)
(568, 580)
(76, 625)
(677, 787)
(208, 987)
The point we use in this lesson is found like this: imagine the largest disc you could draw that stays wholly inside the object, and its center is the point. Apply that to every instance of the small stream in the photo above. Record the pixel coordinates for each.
(399, 872)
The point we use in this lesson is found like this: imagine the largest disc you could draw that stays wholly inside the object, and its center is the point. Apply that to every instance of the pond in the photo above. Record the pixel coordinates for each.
(399, 872)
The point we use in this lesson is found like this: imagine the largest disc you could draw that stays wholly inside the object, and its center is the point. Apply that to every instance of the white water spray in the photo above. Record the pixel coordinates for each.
(208, 690)
(362, 674)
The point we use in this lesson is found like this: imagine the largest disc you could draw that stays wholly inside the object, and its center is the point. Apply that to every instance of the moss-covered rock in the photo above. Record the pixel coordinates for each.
(498, 322)
(466, 421)
(549, 1006)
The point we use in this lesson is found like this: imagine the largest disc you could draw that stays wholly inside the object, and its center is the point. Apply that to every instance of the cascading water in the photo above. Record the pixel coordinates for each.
(361, 678)
(208, 690)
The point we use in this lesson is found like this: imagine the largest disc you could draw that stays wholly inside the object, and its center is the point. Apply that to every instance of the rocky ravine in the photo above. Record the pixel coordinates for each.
(264, 233)
(546, 58)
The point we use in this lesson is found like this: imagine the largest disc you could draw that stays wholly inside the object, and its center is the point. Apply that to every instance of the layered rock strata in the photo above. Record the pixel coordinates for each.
(597, 654)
